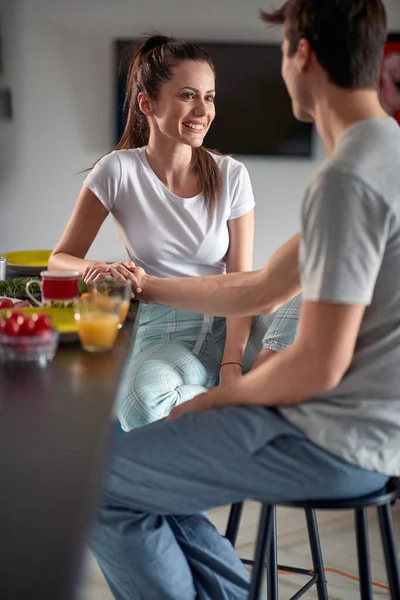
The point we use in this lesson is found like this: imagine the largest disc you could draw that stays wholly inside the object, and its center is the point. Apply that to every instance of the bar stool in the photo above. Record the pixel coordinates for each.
(265, 555)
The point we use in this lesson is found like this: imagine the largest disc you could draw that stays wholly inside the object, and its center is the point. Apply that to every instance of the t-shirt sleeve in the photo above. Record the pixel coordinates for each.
(104, 180)
(345, 228)
(242, 200)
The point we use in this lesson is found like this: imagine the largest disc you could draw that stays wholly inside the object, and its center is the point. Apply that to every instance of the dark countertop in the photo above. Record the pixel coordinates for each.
(54, 431)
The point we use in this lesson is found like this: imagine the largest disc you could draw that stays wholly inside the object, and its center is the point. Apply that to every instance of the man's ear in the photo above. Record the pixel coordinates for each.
(303, 55)
(144, 104)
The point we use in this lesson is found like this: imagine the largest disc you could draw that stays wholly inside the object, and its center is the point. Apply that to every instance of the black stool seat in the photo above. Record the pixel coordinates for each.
(266, 545)
(386, 495)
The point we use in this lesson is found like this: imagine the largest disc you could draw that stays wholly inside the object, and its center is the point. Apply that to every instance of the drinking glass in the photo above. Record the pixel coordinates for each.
(111, 288)
(98, 321)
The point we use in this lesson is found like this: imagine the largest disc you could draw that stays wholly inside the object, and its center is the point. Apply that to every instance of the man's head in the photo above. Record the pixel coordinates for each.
(343, 39)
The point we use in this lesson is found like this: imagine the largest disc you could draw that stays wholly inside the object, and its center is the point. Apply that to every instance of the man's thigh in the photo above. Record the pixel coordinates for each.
(222, 456)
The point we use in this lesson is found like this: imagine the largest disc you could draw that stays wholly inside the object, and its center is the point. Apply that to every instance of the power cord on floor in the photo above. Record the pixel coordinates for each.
(344, 574)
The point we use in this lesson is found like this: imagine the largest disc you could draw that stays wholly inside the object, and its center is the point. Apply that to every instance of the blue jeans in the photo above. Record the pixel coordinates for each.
(150, 537)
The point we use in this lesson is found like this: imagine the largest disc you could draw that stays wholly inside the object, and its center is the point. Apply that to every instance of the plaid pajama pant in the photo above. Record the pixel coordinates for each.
(176, 355)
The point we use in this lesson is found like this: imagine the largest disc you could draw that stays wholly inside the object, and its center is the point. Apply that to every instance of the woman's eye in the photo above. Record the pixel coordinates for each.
(210, 98)
(188, 95)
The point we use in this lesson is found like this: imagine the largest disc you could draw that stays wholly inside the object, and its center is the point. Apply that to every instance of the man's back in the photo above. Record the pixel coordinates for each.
(355, 259)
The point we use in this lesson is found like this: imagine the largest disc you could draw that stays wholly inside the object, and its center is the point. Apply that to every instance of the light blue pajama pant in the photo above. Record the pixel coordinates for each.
(176, 355)
(150, 537)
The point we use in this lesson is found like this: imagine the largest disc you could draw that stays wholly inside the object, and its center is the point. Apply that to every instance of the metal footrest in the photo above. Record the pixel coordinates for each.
(296, 570)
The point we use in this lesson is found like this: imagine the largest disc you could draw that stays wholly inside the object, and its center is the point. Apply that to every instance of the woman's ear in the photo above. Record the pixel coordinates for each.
(144, 104)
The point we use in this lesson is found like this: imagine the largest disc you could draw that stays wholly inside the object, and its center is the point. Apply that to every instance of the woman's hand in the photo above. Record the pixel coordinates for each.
(230, 374)
(95, 272)
(121, 271)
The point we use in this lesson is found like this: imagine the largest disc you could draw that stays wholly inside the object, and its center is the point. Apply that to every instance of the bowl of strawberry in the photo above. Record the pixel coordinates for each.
(27, 339)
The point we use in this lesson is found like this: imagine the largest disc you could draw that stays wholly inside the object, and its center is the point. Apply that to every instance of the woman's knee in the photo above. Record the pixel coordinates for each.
(158, 387)
(155, 383)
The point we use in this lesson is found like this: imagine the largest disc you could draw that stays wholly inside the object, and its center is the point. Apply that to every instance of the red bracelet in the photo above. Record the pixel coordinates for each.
(231, 363)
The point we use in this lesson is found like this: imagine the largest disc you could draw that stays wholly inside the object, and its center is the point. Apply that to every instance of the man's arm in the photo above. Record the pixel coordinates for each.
(314, 364)
(240, 294)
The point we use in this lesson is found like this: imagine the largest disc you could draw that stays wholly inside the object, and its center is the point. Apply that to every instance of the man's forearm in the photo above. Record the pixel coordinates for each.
(217, 295)
(268, 383)
(240, 294)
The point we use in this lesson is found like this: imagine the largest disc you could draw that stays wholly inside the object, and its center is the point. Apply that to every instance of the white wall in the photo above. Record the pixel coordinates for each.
(58, 59)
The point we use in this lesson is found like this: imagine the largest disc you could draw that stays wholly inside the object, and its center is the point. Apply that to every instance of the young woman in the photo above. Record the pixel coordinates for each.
(182, 211)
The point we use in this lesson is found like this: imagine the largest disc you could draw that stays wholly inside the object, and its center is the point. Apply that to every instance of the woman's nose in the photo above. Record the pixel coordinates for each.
(200, 108)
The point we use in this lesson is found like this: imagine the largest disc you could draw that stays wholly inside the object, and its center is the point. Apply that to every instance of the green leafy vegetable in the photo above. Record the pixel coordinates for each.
(82, 287)
(15, 288)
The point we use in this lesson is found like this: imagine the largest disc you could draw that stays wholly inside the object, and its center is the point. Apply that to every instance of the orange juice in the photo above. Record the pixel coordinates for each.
(107, 304)
(123, 312)
(97, 331)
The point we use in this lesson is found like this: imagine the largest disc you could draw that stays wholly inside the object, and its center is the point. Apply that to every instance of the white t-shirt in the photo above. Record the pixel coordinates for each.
(167, 235)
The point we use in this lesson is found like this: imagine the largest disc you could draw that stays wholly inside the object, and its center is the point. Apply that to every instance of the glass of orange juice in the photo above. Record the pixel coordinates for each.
(109, 289)
(97, 322)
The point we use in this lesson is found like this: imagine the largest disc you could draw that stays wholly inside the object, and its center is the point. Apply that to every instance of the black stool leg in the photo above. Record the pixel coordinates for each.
(232, 529)
(272, 564)
(316, 553)
(389, 550)
(263, 548)
(364, 567)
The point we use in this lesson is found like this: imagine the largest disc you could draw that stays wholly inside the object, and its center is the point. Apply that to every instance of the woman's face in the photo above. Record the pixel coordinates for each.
(390, 83)
(185, 107)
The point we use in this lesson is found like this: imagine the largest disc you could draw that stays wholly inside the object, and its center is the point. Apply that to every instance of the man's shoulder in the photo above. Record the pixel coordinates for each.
(368, 156)
(333, 176)
(358, 177)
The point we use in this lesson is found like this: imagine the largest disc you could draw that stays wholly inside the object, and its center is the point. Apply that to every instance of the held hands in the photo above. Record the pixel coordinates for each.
(124, 270)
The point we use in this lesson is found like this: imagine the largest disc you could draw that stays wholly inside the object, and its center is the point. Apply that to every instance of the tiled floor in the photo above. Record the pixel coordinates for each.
(337, 538)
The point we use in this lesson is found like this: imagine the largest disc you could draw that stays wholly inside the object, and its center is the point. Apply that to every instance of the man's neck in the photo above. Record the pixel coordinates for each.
(341, 108)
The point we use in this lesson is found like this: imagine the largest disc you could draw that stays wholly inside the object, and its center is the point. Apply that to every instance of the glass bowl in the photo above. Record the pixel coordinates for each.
(39, 349)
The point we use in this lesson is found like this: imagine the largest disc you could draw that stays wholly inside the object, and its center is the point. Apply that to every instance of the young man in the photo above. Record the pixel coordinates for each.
(321, 418)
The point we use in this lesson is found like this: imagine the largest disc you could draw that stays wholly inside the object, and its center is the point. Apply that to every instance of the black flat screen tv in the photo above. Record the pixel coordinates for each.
(253, 108)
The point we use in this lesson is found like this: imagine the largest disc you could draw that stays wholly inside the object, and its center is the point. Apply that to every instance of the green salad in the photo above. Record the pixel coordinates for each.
(15, 288)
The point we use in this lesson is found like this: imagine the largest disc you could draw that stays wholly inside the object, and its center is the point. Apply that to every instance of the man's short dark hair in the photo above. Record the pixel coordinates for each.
(347, 36)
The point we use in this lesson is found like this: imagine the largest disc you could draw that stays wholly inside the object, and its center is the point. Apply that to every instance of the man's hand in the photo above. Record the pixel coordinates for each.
(121, 271)
(215, 398)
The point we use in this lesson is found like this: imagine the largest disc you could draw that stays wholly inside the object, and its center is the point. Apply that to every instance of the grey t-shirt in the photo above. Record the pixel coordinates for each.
(350, 253)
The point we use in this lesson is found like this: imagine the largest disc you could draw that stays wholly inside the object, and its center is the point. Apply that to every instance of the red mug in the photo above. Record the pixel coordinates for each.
(59, 288)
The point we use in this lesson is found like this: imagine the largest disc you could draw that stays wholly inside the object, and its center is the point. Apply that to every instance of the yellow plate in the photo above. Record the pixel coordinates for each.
(62, 319)
(30, 262)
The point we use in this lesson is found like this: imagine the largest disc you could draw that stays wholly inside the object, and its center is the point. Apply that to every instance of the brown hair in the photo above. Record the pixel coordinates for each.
(347, 36)
(150, 67)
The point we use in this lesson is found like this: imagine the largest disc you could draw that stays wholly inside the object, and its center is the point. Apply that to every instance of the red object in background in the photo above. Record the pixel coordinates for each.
(27, 327)
(16, 324)
(41, 323)
(11, 327)
(58, 288)
(389, 91)
(6, 303)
